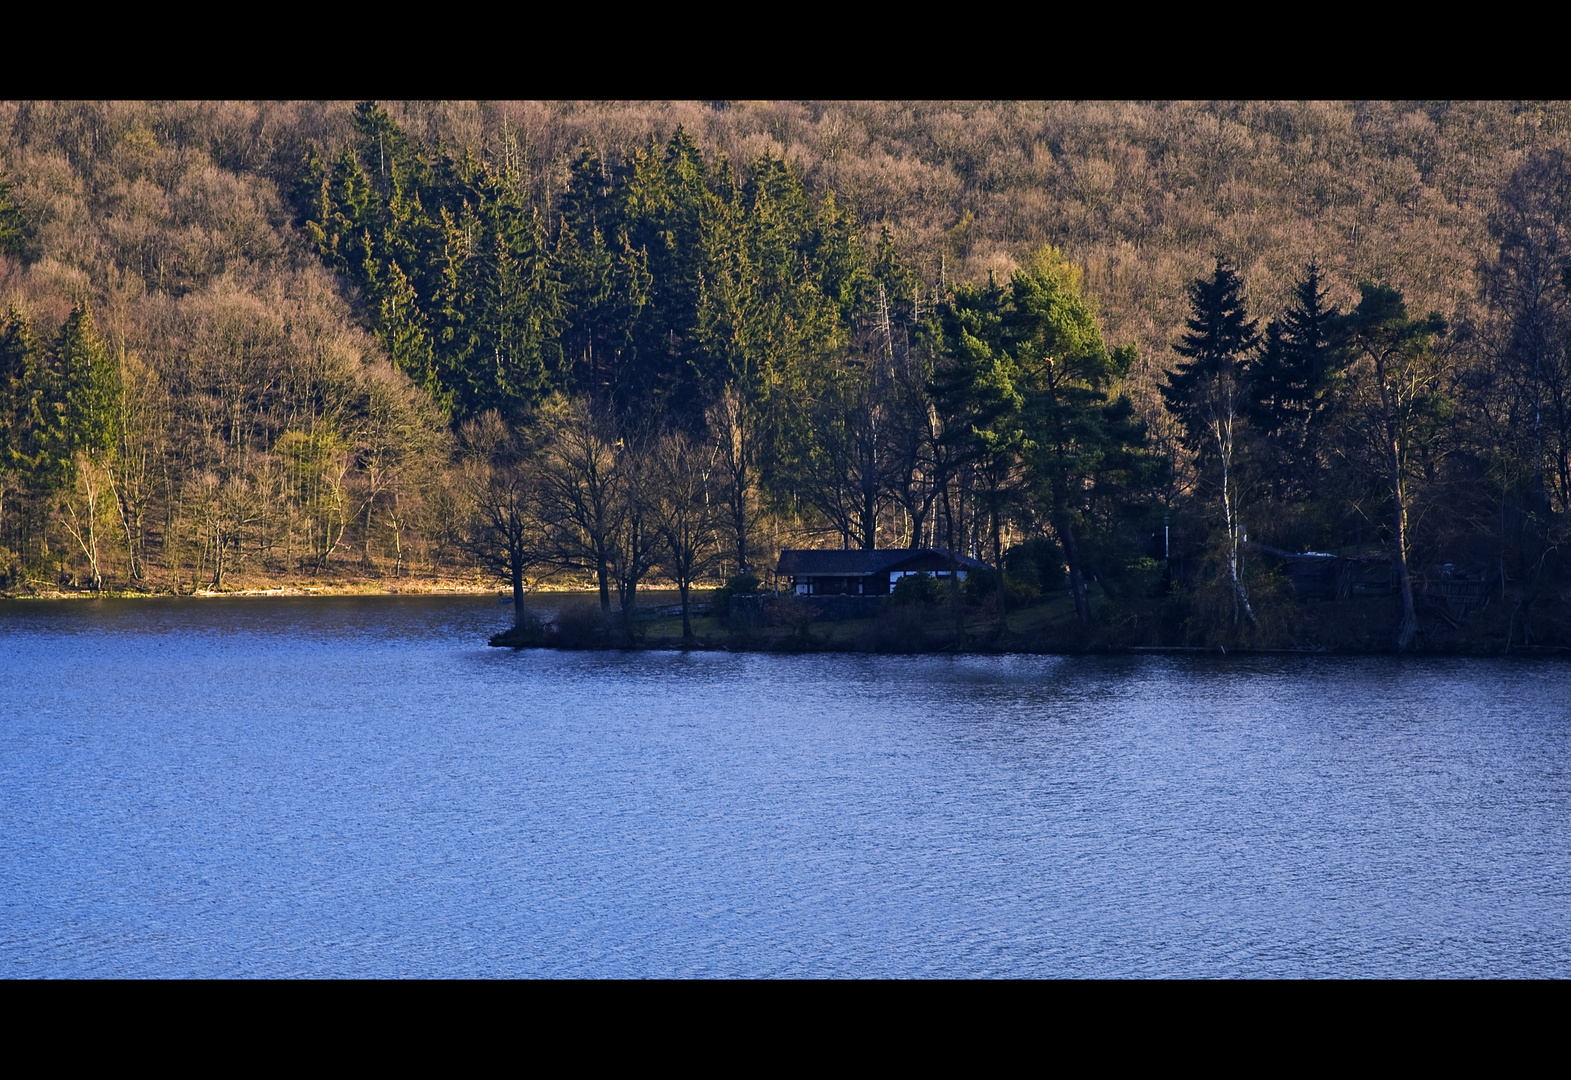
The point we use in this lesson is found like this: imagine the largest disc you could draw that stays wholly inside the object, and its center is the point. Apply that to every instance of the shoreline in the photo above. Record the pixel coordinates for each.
(372, 587)
(1526, 651)
(912, 633)
(293, 589)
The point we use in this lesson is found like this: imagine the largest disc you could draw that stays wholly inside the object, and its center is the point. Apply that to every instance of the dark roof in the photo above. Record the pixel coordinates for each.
(1317, 556)
(803, 562)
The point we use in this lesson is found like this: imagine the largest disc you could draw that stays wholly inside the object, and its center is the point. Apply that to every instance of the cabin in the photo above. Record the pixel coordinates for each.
(1321, 575)
(813, 572)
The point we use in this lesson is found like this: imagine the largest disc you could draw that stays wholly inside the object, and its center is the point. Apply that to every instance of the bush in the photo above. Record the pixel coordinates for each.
(1208, 607)
(579, 625)
(1037, 564)
(528, 632)
(740, 585)
(792, 611)
(919, 588)
(982, 585)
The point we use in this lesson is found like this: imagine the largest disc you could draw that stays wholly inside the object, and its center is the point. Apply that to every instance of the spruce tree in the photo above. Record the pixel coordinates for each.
(91, 385)
(1288, 378)
(1288, 384)
(1217, 340)
(1203, 392)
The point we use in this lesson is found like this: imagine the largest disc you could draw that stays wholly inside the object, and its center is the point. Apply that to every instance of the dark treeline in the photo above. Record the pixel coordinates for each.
(1125, 352)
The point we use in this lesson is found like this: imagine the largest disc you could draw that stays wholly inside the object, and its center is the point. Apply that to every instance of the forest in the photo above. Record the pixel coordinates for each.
(1161, 363)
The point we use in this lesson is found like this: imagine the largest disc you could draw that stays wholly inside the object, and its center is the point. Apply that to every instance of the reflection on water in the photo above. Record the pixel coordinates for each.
(360, 786)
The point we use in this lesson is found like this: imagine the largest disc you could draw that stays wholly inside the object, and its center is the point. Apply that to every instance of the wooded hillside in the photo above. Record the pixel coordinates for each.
(274, 339)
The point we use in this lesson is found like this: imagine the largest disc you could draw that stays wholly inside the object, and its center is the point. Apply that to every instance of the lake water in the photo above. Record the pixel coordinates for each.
(360, 787)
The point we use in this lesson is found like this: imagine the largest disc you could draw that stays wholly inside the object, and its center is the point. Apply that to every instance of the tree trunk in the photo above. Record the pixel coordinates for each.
(1409, 627)
(517, 569)
(1077, 580)
(365, 553)
(869, 520)
(998, 563)
(1224, 442)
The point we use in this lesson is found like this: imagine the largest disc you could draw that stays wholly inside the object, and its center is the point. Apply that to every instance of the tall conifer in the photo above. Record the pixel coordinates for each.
(1203, 392)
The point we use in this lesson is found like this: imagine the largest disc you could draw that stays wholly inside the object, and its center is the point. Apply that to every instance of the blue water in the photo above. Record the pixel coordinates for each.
(360, 787)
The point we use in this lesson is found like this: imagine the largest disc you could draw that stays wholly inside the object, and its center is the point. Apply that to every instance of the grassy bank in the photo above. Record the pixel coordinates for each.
(1358, 626)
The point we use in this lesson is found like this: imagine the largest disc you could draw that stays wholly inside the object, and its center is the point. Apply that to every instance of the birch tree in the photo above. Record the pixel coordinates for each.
(1203, 391)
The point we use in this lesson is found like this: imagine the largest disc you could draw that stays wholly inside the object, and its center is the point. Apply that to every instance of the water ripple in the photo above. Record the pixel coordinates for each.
(357, 787)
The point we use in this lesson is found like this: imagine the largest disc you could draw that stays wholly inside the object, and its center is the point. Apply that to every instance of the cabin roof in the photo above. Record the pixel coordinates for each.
(813, 562)
(1318, 556)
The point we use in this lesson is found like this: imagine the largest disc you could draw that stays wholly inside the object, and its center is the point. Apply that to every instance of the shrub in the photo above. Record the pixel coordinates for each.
(981, 585)
(919, 588)
(791, 611)
(529, 632)
(1209, 609)
(1037, 564)
(740, 585)
(579, 625)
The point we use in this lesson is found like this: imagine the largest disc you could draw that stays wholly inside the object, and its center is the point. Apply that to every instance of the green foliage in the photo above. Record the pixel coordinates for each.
(92, 388)
(745, 584)
(26, 385)
(917, 588)
(57, 401)
(1205, 607)
(1037, 564)
(1218, 338)
(981, 586)
(660, 284)
(1288, 380)
(1028, 392)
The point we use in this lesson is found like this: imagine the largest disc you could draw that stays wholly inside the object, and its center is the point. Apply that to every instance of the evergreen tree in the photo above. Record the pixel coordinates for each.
(1203, 392)
(978, 400)
(1076, 433)
(37, 440)
(1218, 338)
(1394, 362)
(606, 285)
(1289, 381)
(500, 313)
(90, 411)
(91, 385)
(19, 348)
(664, 200)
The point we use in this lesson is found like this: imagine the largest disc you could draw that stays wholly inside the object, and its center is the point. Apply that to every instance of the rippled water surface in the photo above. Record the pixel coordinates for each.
(361, 787)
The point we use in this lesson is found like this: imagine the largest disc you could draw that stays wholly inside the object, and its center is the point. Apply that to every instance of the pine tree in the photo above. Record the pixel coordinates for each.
(606, 285)
(977, 396)
(1393, 355)
(1076, 433)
